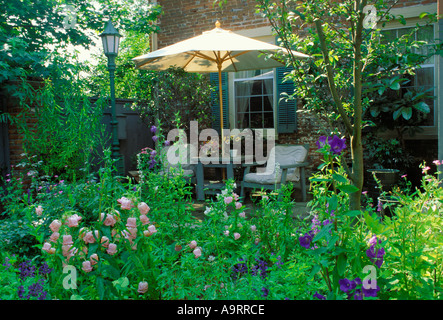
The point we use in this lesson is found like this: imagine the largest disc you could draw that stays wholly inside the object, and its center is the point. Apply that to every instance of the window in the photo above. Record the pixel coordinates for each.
(254, 99)
(424, 76)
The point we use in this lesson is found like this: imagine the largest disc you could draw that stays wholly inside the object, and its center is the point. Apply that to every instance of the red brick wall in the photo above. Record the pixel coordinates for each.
(15, 138)
(183, 19)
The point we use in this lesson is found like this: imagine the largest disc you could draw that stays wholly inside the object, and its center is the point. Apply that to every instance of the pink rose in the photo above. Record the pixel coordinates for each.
(132, 233)
(226, 232)
(253, 228)
(236, 235)
(55, 225)
(131, 223)
(72, 222)
(242, 214)
(109, 220)
(112, 249)
(67, 239)
(46, 247)
(89, 237)
(54, 236)
(125, 203)
(66, 250)
(197, 252)
(86, 266)
(93, 258)
(142, 287)
(238, 205)
(192, 244)
(151, 230)
(143, 208)
(144, 219)
(39, 210)
(228, 200)
(236, 196)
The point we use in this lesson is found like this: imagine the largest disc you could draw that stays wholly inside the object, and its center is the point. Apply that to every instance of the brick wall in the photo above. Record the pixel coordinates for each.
(15, 138)
(183, 19)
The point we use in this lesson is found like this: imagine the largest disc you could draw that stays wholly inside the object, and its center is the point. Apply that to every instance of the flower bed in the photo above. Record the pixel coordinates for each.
(104, 238)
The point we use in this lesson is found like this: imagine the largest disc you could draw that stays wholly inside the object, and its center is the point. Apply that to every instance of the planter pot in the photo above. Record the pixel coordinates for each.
(387, 205)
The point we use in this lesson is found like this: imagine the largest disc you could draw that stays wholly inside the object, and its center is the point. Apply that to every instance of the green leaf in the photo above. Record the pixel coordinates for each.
(352, 213)
(406, 113)
(341, 264)
(333, 203)
(395, 86)
(323, 232)
(339, 178)
(422, 107)
(348, 188)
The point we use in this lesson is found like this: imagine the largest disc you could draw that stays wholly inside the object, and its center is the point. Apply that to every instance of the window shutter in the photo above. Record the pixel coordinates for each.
(286, 109)
(216, 102)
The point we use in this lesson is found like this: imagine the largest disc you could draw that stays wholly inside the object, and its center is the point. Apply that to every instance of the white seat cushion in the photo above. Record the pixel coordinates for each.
(279, 155)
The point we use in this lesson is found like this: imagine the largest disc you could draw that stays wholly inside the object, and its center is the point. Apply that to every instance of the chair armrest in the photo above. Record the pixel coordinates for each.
(251, 164)
(295, 165)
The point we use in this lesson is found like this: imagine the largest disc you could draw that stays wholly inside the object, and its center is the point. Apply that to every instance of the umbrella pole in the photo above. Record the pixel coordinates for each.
(220, 95)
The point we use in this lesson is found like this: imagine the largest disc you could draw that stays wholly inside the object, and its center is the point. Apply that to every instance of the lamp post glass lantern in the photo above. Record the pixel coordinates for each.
(111, 40)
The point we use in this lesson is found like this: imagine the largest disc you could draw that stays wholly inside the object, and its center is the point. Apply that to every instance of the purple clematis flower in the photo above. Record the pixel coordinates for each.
(346, 285)
(319, 296)
(153, 129)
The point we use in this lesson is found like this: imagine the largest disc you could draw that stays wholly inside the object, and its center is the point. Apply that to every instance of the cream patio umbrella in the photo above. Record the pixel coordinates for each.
(216, 50)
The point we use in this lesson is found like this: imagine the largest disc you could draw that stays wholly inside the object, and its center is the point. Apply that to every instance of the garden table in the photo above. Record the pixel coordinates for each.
(213, 187)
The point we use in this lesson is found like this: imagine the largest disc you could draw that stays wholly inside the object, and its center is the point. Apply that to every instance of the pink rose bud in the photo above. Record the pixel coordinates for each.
(238, 205)
(152, 229)
(197, 252)
(54, 236)
(242, 214)
(51, 251)
(253, 228)
(144, 219)
(55, 225)
(142, 287)
(192, 244)
(93, 258)
(46, 246)
(67, 239)
(143, 208)
(104, 241)
(86, 266)
(236, 235)
(236, 196)
(131, 223)
(228, 200)
(112, 249)
(39, 210)
(226, 232)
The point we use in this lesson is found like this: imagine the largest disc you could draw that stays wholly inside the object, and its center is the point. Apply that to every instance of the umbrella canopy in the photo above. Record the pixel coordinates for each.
(216, 50)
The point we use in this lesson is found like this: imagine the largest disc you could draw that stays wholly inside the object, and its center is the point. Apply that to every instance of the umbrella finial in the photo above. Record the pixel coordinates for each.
(217, 24)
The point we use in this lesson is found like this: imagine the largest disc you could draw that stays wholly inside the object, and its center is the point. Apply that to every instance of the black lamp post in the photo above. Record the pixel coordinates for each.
(111, 41)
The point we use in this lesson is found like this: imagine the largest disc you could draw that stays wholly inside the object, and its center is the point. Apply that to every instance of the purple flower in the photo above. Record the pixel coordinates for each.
(153, 129)
(358, 295)
(321, 142)
(346, 285)
(167, 143)
(337, 144)
(305, 240)
(376, 256)
(154, 138)
(370, 292)
(265, 292)
(319, 296)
